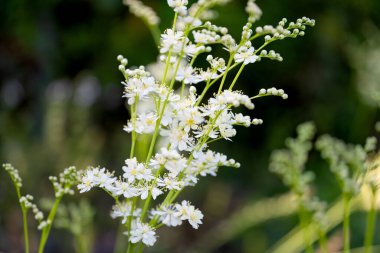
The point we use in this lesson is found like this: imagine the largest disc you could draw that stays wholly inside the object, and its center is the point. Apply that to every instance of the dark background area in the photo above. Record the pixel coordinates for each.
(61, 105)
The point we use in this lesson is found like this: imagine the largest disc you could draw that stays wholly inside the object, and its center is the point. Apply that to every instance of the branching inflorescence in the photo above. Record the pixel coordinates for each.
(63, 185)
(182, 119)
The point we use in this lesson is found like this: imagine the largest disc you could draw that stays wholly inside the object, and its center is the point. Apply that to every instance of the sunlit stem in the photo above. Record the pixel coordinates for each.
(304, 223)
(371, 222)
(346, 223)
(24, 212)
(46, 230)
(322, 240)
(133, 119)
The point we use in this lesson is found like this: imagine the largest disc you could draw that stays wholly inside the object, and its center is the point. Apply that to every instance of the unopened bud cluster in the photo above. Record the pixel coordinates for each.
(347, 162)
(65, 182)
(13, 173)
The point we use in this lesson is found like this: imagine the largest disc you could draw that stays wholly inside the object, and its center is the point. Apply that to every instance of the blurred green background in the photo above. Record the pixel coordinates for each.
(61, 105)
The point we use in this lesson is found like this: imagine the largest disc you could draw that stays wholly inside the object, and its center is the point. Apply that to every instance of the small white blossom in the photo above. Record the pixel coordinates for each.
(179, 6)
(187, 75)
(143, 232)
(246, 55)
(171, 39)
(144, 192)
(125, 189)
(136, 171)
(124, 210)
(186, 211)
(167, 216)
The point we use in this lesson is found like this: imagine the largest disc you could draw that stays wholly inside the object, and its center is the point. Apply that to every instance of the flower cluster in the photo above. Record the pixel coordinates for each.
(13, 173)
(26, 202)
(63, 184)
(348, 162)
(182, 123)
(290, 165)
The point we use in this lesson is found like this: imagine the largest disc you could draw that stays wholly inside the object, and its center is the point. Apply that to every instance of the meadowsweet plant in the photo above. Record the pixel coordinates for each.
(63, 185)
(178, 116)
(356, 168)
(290, 165)
(349, 164)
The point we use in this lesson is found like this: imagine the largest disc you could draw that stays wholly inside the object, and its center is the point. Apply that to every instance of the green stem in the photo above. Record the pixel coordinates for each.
(80, 244)
(134, 116)
(141, 247)
(236, 77)
(225, 73)
(26, 233)
(371, 221)
(24, 212)
(322, 240)
(131, 247)
(129, 225)
(161, 114)
(304, 224)
(146, 206)
(346, 224)
(46, 230)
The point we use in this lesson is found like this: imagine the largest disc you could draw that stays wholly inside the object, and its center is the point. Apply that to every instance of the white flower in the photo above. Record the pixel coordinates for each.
(185, 211)
(167, 216)
(105, 180)
(96, 177)
(195, 217)
(178, 137)
(176, 166)
(184, 21)
(145, 123)
(182, 209)
(188, 75)
(171, 39)
(193, 50)
(204, 37)
(87, 182)
(179, 6)
(246, 55)
(138, 88)
(190, 118)
(125, 189)
(135, 170)
(124, 210)
(155, 191)
(164, 156)
(227, 97)
(143, 232)
(208, 75)
(170, 183)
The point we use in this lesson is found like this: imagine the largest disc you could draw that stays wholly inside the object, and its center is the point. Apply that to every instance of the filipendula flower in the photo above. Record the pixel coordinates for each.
(246, 54)
(134, 170)
(143, 232)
